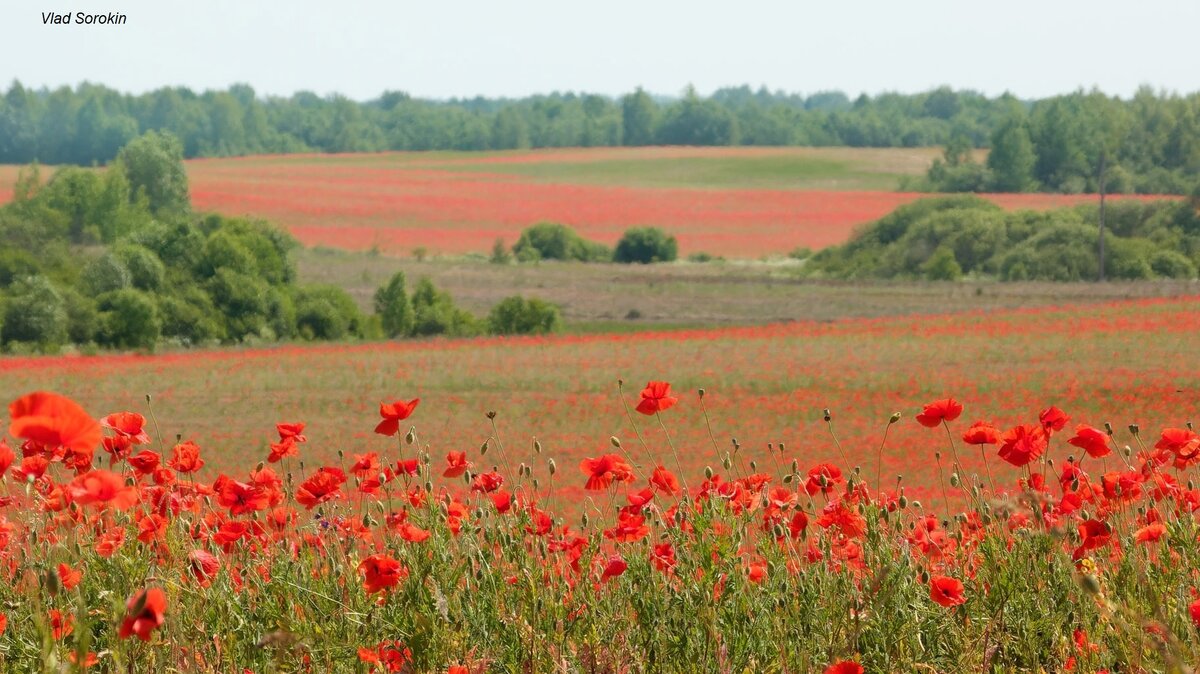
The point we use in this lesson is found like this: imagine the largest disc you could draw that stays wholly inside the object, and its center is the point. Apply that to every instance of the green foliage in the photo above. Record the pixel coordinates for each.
(34, 313)
(242, 301)
(646, 245)
(434, 313)
(327, 312)
(146, 271)
(555, 241)
(153, 165)
(1012, 159)
(500, 253)
(190, 317)
(128, 320)
(105, 274)
(394, 308)
(518, 316)
(83, 320)
(947, 237)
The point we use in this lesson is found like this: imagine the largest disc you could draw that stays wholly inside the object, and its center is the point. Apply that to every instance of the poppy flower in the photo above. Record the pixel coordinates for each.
(240, 497)
(1095, 534)
(284, 448)
(3, 622)
(663, 557)
(456, 464)
(946, 591)
(204, 566)
(321, 487)
(54, 421)
(61, 626)
(629, 528)
(89, 660)
(291, 431)
(1193, 612)
(144, 462)
(844, 667)
(127, 424)
(603, 470)
(981, 433)
(487, 482)
(381, 573)
(366, 465)
(69, 577)
(102, 488)
(393, 414)
(6, 457)
(822, 478)
(502, 500)
(412, 533)
(656, 397)
(185, 457)
(144, 613)
(938, 411)
(1091, 440)
(1023, 444)
(1053, 420)
(615, 567)
(457, 669)
(1151, 533)
(664, 481)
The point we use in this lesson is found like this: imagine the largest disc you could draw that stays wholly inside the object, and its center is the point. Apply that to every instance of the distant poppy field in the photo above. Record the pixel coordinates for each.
(461, 203)
(1004, 491)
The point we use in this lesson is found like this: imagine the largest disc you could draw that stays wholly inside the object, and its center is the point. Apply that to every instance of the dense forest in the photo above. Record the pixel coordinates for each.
(1148, 143)
(118, 259)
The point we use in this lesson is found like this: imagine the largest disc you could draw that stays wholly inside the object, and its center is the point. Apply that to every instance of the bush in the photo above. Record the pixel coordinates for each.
(35, 313)
(105, 274)
(83, 321)
(393, 307)
(146, 271)
(189, 316)
(554, 241)
(327, 312)
(1172, 264)
(434, 313)
(242, 301)
(645, 245)
(128, 320)
(500, 253)
(941, 266)
(518, 316)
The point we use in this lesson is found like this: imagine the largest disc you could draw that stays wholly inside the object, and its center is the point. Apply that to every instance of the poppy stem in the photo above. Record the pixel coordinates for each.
(500, 444)
(629, 415)
(845, 460)
(157, 431)
(988, 467)
(937, 456)
(879, 457)
(678, 464)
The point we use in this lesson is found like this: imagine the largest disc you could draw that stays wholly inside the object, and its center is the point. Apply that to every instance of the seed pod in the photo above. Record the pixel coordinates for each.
(615, 441)
(483, 448)
(708, 472)
(341, 455)
(537, 446)
(700, 392)
(1134, 430)
(894, 419)
(491, 414)
(826, 415)
(552, 466)
(954, 481)
(781, 448)
(409, 437)
(753, 466)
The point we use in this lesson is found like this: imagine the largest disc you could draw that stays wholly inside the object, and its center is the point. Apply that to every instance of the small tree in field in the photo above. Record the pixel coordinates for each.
(518, 316)
(394, 308)
(645, 245)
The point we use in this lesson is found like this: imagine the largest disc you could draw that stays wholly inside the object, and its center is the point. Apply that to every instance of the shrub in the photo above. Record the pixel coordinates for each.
(326, 312)
(645, 245)
(83, 320)
(941, 266)
(128, 320)
(518, 316)
(189, 316)
(554, 241)
(146, 271)
(35, 313)
(434, 313)
(105, 274)
(500, 253)
(1172, 264)
(394, 308)
(242, 301)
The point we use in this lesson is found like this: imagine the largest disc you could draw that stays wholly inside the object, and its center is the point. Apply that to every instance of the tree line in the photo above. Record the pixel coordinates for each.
(1150, 142)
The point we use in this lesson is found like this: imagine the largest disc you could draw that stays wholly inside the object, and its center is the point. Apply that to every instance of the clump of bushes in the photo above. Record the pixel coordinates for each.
(645, 245)
(554, 241)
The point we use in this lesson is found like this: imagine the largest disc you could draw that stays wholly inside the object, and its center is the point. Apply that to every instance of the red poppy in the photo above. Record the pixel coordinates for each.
(629, 528)
(152, 528)
(185, 457)
(1053, 420)
(54, 421)
(663, 557)
(127, 424)
(457, 669)
(144, 462)
(456, 463)
(844, 667)
(61, 626)
(144, 613)
(89, 660)
(412, 533)
(822, 478)
(1095, 534)
(502, 500)
(283, 448)
(615, 567)
(204, 566)
(1091, 440)
(1023, 444)
(3, 622)
(938, 411)
(656, 397)
(1151, 533)
(393, 414)
(1193, 612)
(603, 470)
(100, 487)
(240, 497)
(664, 481)
(381, 573)
(69, 577)
(291, 431)
(487, 482)
(981, 433)
(6, 457)
(946, 591)
(366, 465)
(321, 487)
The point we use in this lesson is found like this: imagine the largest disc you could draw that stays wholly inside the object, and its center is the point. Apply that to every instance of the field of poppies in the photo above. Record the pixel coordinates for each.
(1006, 491)
(735, 202)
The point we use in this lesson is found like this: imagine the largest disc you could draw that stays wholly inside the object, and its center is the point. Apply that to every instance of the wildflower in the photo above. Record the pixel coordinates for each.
(185, 457)
(129, 425)
(1151, 533)
(456, 464)
(6, 457)
(53, 421)
(981, 433)
(321, 487)
(144, 613)
(381, 573)
(102, 488)
(615, 567)
(664, 481)
(393, 414)
(844, 667)
(1023, 444)
(1091, 440)
(603, 470)
(204, 566)
(1053, 420)
(946, 591)
(938, 411)
(656, 397)
(69, 577)
(61, 626)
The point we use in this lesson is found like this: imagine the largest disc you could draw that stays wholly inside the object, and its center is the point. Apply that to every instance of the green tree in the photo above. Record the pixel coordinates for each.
(394, 308)
(434, 313)
(639, 118)
(1012, 160)
(35, 313)
(153, 165)
(646, 245)
(518, 316)
(128, 320)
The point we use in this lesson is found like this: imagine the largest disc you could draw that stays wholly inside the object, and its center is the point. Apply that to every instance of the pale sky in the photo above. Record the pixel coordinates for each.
(461, 48)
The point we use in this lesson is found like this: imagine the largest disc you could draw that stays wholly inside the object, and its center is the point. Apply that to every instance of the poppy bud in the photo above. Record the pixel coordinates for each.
(366, 520)
(537, 446)
(1127, 451)
(903, 501)
(777, 530)
(1074, 484)
(258, 467)
(954, 481)
(821, 480)
(382, 478)
(700, 392)
(787, 479)
(620, 382)
(553, 466)
(614, 441)
(753, 466)
(301, 465)
(825, 413)
(937, 456)
(1050, 462)
(409, 437)
(1089, 583)
(535, 483)
(341, 455)
(1085, 515)
(795, 466)
(895, 418)
(1134, 429)
(924, 577)
(1191, 485)
(484, 447)
(147, 398)
(585, 519)
(781, 448)
(428, 486)
(1108, 428)
(916, 504)
(51, 581)
(678, 517)
(708, 472)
